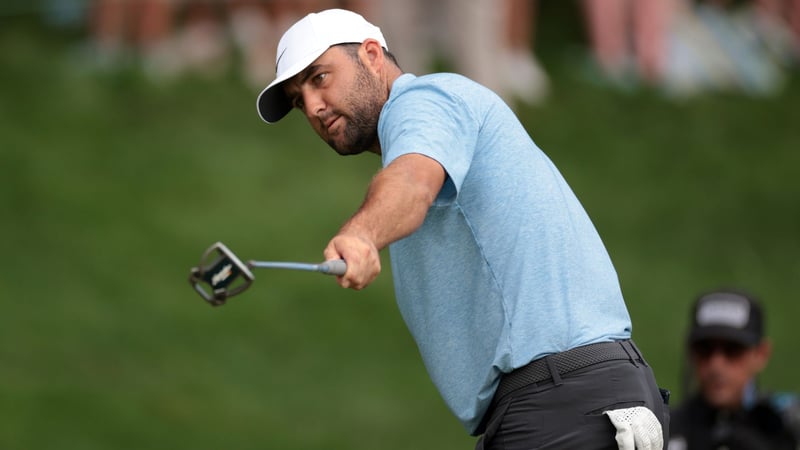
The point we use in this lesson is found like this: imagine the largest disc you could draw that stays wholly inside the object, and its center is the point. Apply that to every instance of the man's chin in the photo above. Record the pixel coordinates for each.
(342, 150)
(721, 398)
(345, 150)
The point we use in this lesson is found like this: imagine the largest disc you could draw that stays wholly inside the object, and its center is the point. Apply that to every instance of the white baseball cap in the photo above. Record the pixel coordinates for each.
(302, 44)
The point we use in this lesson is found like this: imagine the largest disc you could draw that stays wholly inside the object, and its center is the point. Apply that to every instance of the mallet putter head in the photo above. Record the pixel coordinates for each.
(222, 272)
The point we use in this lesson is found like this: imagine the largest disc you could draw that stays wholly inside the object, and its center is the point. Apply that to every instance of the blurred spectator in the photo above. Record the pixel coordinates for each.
(737, 35)
(254, 34)
(727, 350)
(257, 25)
(145, 31)
(170, 38)
(683, 47)
(629, 38)
(488, 41)
(774, 22)
(491, 42)
(721, 45)
(686, 47)
(116, 25)
(525, 78)
(199, 43)
(696, 63)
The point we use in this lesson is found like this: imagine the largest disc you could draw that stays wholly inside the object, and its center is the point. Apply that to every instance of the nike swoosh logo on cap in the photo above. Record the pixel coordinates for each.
(278, 62)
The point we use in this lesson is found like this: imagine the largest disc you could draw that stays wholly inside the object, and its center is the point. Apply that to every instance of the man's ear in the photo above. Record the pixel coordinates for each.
(763, 352)
(371, 53)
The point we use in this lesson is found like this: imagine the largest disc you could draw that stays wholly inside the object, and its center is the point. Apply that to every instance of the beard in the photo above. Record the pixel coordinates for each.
(364, 106)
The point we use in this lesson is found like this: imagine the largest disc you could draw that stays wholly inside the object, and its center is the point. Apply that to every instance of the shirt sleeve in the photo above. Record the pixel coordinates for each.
(431, 121)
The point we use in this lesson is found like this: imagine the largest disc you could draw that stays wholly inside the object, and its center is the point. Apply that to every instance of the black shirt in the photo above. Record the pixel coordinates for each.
(767, 425)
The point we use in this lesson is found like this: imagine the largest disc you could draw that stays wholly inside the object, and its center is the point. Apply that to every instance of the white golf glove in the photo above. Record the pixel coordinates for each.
(637, 428)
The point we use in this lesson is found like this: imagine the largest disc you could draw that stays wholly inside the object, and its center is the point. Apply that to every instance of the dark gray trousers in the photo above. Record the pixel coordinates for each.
(568, 413)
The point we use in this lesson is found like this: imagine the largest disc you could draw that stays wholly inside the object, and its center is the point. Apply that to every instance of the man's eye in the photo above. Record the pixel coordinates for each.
(319, 78)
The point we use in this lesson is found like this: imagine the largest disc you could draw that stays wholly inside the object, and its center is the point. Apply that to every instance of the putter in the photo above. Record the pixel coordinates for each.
(226, 275)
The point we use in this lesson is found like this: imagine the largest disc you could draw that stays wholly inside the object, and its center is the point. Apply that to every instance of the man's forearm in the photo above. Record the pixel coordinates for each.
(396, 204)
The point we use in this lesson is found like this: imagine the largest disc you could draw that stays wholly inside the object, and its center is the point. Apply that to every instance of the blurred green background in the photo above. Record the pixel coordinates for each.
(112, 186)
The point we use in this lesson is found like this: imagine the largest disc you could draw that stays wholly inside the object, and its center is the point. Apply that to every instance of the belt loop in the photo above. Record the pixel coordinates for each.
(553, 370)
(630, 357)
(639, 354)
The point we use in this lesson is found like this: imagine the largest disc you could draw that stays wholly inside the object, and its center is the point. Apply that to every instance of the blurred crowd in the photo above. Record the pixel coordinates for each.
(680, 47)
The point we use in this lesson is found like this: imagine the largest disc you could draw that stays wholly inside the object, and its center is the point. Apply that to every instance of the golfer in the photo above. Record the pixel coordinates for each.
(499, 274)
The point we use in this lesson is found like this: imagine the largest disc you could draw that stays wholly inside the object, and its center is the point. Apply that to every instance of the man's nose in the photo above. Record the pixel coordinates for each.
(314, 104)
(718, 359)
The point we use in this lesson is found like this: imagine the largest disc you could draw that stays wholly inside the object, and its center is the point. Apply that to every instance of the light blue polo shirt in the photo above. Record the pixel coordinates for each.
(507, 266)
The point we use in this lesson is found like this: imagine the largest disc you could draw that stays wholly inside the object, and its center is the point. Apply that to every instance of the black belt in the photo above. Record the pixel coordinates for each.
(552, 367)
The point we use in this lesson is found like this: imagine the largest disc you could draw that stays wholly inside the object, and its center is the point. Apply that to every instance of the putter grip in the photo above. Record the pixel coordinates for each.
(333, 267)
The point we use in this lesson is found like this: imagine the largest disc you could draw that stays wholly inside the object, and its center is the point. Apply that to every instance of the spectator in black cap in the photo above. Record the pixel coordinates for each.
(727, 350)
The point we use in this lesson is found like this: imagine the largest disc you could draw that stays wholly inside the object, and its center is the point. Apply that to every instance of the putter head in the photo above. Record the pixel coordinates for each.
(222, 272)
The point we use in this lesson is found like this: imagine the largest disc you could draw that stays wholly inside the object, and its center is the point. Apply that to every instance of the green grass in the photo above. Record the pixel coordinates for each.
(113, 186)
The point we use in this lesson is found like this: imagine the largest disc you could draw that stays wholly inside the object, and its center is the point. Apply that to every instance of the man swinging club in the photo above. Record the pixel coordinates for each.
(499, 273)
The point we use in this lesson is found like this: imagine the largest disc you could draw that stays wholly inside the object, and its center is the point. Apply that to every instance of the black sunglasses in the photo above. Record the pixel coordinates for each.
(707, 348)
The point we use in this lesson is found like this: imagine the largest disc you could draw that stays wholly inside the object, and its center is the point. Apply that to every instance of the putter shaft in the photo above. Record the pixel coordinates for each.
(335, 267)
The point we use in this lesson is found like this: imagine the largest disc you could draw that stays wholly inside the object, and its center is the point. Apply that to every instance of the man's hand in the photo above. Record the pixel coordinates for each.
(361, 255)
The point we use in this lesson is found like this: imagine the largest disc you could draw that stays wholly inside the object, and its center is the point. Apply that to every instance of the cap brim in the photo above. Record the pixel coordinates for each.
(272, 103)
(743, 337)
